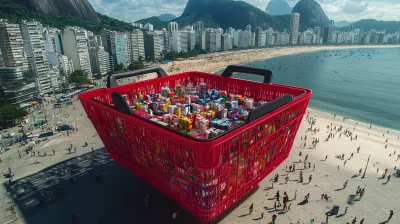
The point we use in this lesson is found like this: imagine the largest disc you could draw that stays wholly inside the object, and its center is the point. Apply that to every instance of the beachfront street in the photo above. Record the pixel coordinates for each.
(52, 188)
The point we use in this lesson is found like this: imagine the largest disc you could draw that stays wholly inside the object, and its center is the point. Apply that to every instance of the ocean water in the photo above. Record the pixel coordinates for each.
(363, 84)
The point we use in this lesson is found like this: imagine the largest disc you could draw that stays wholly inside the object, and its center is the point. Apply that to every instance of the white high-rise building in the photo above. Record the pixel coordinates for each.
(52, 38)
(148, 26)
(35, 52)
(317, 32)
(201, 39)
(218, 35)
(173, 26)
(211, 40)
(99, 60)
(243, 39)
(12, 52)
(179, 41)
(231, 31)
(294, 27)
(76, 48)
(285, 37)
(161, 38)
(199, 25)
(119, 48)
(308, 37)
(191, 40)
(152, 46)
(261, 37)
(226, 42)
(138, 25)
(137, 45)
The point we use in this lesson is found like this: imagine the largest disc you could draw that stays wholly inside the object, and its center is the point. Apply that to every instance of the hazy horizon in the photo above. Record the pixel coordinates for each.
(338, 10)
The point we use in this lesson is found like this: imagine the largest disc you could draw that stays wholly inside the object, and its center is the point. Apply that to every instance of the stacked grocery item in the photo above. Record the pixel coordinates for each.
(198, 111)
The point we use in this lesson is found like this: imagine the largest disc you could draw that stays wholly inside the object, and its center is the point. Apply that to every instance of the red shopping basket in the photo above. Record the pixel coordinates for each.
(206, 177)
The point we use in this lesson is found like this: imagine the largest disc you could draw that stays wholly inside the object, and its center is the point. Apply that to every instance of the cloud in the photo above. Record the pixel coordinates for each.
(355, 6)
(351, 10)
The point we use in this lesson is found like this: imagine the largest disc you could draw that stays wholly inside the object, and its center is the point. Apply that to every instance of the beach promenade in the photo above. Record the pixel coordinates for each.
(60, 185)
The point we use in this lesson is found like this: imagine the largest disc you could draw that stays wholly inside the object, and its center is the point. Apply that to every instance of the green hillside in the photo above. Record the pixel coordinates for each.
(367, 24)
(15, 12)
(224, 14)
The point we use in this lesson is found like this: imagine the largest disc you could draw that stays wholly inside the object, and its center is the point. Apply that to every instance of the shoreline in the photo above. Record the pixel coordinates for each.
(217, 61)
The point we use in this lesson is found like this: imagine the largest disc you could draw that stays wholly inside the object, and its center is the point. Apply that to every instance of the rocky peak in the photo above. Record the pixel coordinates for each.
(78, 8)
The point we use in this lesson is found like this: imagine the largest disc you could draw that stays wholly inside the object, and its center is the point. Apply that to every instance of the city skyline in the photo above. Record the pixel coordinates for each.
(52, 54)
(338, 10)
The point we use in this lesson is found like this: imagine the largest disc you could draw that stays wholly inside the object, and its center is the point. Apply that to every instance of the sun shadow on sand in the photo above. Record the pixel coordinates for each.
(76, 191)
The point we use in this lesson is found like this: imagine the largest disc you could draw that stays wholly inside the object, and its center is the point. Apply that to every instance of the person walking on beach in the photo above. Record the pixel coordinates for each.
(345, 184)
(313, 169)
(345, 163)
(354, 220)
(377, 170)
(359, 172)
(361, 193)
(286, 179)
(13, 211)
(358, 149)
(295, 194)
(273, 218)
(390, 215)
(250, 209)
(351, 156)
(345, 210)
(388, 178)
(362, 221)
(337, 167)
(309, 178)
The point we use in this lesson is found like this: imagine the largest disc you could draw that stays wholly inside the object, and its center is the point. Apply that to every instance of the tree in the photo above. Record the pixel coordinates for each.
(78, 78)
(135, 66)
(10, 113)
(197, 47)
(118, 67)
(29, 76)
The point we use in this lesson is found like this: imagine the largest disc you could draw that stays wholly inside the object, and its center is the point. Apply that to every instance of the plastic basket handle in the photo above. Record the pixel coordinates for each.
(256, 71)
(269, 107)
(112, 79)
(120, 103)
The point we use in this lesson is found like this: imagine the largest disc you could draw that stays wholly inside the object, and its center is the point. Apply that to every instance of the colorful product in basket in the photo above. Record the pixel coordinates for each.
(199, 112)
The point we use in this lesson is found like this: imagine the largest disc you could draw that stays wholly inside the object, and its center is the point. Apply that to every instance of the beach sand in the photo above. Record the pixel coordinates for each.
(100, 203)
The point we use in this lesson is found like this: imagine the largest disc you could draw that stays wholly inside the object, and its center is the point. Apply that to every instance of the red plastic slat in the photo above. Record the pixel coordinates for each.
(206, 178)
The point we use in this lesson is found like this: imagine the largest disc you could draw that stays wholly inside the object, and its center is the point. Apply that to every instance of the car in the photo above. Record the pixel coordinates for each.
(64, 128)
(47, 134)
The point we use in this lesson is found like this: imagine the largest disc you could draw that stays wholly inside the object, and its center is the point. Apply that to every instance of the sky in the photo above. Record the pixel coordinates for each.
(338, 10)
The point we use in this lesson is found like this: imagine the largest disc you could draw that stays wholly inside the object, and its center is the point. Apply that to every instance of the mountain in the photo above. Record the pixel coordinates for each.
(14, 12)
(342, 23)
(78, 8)
(226, 13)
(278, 7)
(368, 24)
(311, 14)
(167, 17)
